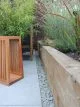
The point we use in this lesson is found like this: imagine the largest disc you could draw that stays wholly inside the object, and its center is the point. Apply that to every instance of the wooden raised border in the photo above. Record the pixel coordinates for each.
(64, 77)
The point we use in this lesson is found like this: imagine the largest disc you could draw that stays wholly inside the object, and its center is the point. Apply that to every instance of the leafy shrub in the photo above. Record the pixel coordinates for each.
(62, 32)
(16, 16)
(60, 24)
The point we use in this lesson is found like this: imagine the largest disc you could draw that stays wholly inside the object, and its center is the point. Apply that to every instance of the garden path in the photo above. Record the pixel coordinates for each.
(24, 93)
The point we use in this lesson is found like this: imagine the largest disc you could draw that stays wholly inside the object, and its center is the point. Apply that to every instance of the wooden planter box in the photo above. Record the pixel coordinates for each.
(64, 77)
(11, 67)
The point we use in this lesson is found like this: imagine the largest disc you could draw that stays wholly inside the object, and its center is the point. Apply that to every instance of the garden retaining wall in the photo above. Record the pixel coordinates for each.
(64, 76)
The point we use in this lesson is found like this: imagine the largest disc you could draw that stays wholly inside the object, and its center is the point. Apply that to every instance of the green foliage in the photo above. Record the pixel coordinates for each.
(60, 24)
(62, 32)
(16, 16)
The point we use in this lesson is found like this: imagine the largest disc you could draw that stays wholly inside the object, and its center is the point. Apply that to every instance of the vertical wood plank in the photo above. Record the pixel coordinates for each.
(20, 58)
(0, 59)
(7, 61)
(3, 60)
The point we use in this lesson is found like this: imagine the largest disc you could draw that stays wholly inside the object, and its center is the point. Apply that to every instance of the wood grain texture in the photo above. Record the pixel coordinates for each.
(11, 65)
(63, 75)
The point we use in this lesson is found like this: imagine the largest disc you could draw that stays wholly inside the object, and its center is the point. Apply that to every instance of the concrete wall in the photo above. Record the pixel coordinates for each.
(64, 77)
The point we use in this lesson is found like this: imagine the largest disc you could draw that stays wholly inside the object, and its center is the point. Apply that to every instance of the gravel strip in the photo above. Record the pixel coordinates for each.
(46, 94)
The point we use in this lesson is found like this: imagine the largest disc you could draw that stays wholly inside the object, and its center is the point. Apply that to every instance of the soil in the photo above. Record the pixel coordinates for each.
(75, 55)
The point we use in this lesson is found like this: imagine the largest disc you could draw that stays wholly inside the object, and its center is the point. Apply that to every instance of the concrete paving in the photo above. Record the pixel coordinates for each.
(24, 93)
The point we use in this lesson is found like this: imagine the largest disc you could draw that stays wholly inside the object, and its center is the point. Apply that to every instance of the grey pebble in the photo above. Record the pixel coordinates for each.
(46, 94)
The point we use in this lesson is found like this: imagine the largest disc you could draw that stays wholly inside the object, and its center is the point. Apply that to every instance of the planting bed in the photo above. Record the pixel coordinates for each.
(74, 55)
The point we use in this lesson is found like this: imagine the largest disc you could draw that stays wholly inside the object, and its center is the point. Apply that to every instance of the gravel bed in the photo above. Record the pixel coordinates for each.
(46, 94)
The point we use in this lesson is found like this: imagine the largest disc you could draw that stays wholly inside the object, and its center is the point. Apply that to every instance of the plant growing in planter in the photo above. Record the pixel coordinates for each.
(16, 17)
(77, 28)
(60, 24)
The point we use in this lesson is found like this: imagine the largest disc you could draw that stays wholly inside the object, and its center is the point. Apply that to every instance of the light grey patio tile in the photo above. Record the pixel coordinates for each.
(20, 106)
(24, 92)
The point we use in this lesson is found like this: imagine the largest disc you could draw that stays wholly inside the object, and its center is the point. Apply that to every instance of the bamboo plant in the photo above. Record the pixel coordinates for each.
(16, 16)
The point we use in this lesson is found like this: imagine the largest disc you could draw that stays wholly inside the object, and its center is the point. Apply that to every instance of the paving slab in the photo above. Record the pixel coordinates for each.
(21, 106)
(24, 93)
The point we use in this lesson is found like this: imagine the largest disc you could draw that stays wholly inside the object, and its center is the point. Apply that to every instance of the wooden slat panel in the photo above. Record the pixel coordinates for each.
(2, 60)
(9, 37)
(14, 52)
(20, 59)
